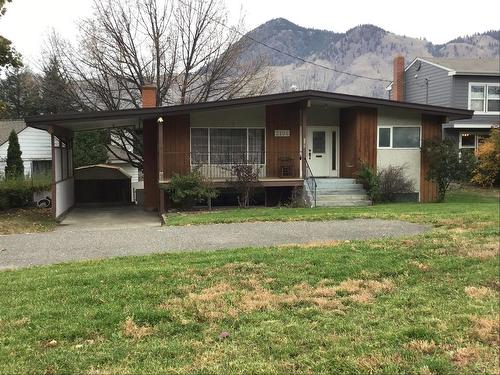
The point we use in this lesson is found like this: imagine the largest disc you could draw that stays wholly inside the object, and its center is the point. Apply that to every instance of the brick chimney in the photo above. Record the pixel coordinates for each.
(398, 83)
(149, 96)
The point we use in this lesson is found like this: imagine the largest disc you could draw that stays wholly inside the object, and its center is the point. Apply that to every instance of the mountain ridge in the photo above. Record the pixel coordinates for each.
(364, 49)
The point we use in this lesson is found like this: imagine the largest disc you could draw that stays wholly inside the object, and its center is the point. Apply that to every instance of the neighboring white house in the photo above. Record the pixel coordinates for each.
(35, 146)
(136, 177)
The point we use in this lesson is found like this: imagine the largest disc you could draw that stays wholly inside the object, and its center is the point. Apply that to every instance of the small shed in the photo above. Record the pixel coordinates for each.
(102, 183)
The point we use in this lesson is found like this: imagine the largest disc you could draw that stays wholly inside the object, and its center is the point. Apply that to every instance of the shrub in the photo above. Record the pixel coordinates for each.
(447, 164)
(18, 192)
(370, 181)
(189, 189)
(15, 167)
(487, 172)
(392, 181)
(243, 178)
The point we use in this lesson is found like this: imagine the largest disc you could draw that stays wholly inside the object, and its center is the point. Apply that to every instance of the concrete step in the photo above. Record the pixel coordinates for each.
(335, 181)
(343, 204)
(350, 187)
(341, 192)
(341, 197)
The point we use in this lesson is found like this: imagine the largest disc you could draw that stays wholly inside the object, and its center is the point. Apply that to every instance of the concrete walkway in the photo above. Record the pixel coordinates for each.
(74, 243)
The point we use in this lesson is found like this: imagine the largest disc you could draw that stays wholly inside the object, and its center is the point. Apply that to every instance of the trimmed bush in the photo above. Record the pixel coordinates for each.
(187, 190)
(370, 181)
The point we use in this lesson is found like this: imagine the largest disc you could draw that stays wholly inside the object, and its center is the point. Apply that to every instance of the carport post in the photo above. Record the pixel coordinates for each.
(160, 165)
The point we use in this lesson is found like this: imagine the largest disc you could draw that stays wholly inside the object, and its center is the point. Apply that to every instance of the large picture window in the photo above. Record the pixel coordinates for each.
(484, 97)
(227, 145)
(399, 137)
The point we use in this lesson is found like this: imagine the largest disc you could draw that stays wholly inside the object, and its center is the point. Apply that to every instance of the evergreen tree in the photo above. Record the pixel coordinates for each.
(15, 166)
(54, 90)
(90, 148)
(19, 94)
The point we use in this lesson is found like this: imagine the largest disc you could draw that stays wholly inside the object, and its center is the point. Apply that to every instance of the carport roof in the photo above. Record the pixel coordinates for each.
(81, 121)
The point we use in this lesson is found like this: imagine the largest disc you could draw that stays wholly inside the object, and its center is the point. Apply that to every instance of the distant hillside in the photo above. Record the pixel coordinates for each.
(364, 49)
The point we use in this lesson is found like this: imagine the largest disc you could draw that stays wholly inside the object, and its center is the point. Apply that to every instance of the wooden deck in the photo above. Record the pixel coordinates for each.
(263, 182)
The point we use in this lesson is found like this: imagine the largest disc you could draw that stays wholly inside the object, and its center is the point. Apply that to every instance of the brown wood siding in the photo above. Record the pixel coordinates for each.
(358, 139)
(282, 117)
(431, 129)
(176, 145)
(150, 140)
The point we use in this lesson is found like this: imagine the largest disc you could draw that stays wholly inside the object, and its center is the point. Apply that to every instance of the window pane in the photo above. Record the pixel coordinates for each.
(477, 105)
(477, 92)
(319, 142)
(384, 137)
(406, 137)
(493, 92)
(493, 105)
(468, 140)
(228, 146)
(199, 145)
(256, 146)
(41, 168)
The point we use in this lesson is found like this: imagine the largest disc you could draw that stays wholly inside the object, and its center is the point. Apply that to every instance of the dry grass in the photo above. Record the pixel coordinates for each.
(421, 266)
(223, 299)
(131, 330)
(464, 356)
(422, 346)
(482, 251)
(312, 244)
(479, 292)
(486, 329)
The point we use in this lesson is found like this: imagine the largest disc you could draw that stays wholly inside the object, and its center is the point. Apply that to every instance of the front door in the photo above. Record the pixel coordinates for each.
(322, 151)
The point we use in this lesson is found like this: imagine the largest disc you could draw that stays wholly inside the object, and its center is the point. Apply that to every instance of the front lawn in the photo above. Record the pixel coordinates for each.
(26, 220)
(421, 305)
(428, 213)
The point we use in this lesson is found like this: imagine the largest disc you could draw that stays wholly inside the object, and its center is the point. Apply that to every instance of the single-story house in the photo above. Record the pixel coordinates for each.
(295, 137)
(35, 147)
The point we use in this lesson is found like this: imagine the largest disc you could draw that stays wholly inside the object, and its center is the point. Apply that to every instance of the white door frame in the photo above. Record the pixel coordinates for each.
(328, 149)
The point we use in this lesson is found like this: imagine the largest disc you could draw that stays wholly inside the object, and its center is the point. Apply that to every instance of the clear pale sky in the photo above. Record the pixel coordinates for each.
(27, 22)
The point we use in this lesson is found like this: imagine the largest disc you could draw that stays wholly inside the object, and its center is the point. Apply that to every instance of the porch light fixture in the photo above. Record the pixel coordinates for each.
(160, 120)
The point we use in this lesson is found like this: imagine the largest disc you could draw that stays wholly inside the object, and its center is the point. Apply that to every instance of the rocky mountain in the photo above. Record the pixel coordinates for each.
(365, 50)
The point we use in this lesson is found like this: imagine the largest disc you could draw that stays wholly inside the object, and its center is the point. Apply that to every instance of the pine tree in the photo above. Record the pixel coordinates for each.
(55, 90)
(15, 166)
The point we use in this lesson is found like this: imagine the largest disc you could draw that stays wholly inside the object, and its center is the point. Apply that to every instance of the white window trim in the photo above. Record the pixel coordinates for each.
(485, 99)
(225, 127)
(392, 137)
(476, 140)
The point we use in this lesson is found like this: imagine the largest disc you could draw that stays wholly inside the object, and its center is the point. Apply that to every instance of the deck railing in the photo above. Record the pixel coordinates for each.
(220, 166)
(310, 180)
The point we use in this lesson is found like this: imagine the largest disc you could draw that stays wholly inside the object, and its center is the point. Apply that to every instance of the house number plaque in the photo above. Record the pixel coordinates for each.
(282, 133)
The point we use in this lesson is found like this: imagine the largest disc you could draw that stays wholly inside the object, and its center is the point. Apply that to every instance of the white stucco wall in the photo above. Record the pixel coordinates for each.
(321, 115)
(410, 158)
(241, 117)
(65, 196)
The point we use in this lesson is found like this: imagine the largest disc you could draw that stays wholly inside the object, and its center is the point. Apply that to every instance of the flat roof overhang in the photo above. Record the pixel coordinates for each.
(82, 121)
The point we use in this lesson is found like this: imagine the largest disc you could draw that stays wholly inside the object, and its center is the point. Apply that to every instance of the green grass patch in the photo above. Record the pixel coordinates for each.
(423, 304)
(415, 212)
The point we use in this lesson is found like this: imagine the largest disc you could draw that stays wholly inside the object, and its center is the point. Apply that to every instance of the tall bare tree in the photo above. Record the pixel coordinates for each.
(182, 46)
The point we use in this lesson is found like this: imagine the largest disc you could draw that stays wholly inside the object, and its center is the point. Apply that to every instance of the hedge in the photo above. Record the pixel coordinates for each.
(19, 192)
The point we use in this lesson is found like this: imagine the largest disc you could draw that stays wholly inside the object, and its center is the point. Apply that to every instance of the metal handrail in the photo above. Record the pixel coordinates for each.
(311, 181)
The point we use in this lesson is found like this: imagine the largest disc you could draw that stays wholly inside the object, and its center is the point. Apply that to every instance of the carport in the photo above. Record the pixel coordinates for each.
(102, 184)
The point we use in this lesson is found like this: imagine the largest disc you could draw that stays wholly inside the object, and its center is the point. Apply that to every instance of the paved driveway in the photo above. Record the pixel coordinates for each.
(72, 242)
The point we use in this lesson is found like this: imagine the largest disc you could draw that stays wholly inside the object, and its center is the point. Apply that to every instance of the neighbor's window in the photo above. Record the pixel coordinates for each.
(399, 137)
(467, 140)
(484, 97)
(472, 140)
(41, 167)
(227, 145)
